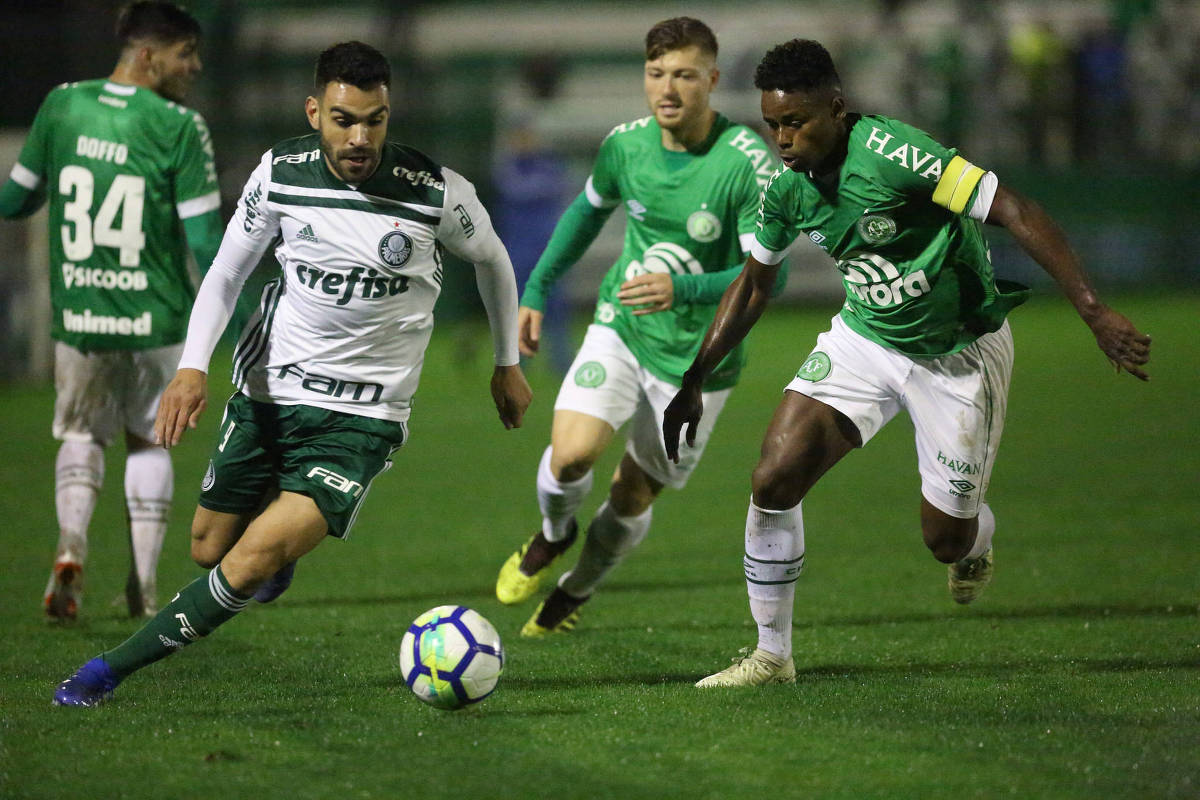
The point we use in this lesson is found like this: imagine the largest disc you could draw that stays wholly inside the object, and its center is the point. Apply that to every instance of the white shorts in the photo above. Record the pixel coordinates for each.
(957, 404)
(102, 393)
(607, 382)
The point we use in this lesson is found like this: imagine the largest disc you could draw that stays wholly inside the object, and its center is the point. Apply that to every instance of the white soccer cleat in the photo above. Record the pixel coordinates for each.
(64, 590)
(969, 577)
(753, 668)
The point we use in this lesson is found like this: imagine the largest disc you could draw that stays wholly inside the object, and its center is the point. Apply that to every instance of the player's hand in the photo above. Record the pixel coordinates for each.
(651, 292)
(511, 394)
(182, 403)
(685, 409)
(1126, 347)
(529, 330)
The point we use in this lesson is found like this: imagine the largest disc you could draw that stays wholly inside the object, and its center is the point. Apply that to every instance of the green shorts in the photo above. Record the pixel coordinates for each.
(329, 456)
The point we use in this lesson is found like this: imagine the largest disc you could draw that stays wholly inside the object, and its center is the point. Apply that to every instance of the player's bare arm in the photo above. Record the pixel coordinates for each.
(182, 403)
(741, 306)
(511, 393)
(649, 293)
(529, 330)
(1125, 346)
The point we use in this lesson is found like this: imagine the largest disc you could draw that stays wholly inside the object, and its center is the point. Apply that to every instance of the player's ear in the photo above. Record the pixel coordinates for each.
(312, 110)
(837, 105)
(715, 78)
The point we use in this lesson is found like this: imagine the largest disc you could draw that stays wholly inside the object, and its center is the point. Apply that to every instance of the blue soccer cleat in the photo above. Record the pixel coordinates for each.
(277, 584)
(91, 685)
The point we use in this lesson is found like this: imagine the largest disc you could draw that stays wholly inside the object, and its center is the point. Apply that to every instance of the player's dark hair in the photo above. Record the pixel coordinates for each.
(163, 22)
(800, 65)
(677, 33)
(355, 63)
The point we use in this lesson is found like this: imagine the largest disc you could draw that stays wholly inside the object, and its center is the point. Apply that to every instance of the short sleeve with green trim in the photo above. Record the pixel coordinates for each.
(899, 222)
(122, 167)
(686, 214)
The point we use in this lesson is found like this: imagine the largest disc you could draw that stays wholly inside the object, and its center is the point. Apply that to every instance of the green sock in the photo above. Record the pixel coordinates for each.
(196, 611)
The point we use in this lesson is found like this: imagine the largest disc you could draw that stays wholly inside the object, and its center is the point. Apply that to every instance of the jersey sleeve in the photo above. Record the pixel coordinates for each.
(916, 165)
(30, 170)
(196, 190)
(466, 230)
(776, 226)
(247, 237)
(603, 188)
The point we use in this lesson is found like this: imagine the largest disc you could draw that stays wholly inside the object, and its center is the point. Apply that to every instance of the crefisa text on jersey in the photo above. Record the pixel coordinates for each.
(336, 284)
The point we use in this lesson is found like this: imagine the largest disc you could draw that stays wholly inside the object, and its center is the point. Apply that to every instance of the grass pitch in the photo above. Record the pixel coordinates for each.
(1075, 676)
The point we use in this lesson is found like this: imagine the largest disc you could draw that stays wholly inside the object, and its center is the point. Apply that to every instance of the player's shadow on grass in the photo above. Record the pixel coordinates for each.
(955, 615)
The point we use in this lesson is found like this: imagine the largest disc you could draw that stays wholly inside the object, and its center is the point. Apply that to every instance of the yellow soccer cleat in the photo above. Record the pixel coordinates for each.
(521, 574)
(753, 668)
(969, 577)
(558, 613)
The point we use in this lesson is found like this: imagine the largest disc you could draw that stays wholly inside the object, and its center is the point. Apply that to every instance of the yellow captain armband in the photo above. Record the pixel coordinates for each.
(957, 183)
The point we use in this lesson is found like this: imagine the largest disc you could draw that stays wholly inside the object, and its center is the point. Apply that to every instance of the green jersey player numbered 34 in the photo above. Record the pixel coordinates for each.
(689, 181)
(327, 368)
(128, 174)
(923, 329)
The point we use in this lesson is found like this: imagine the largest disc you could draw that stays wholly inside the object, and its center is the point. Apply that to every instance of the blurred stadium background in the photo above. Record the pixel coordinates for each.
(1091, 107)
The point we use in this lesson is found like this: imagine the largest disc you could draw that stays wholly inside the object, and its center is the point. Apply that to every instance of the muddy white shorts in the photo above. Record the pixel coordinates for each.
(102, 393)
(957, 404)
(607, 382)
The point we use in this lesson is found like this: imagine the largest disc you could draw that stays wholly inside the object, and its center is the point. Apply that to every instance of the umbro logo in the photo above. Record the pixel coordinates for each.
(306, 233)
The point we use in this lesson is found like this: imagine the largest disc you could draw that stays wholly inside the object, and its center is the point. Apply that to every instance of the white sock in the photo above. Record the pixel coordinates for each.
(774, 558)
(78, 476)
(559, 500)
(983, 539)
(609, 539)
(149, 483)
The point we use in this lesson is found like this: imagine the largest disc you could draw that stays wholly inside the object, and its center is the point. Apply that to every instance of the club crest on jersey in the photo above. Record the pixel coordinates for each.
(703, 226)
(877, 228)
(395, 248)
(210, 477)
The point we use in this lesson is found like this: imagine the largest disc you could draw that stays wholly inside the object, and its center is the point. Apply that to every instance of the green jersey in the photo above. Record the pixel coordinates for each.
(686, 214)
(903, 223)
(122, 167)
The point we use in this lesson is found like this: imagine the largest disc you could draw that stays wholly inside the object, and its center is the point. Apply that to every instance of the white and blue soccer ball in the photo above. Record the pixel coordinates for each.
(451, 657)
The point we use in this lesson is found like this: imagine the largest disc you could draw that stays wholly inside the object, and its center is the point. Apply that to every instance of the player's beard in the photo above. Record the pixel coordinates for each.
(343, 168)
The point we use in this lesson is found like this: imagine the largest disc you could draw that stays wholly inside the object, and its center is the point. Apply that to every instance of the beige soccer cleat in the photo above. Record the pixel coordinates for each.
(558, 613)
(969, 577)
(753, 668)
(521, 574)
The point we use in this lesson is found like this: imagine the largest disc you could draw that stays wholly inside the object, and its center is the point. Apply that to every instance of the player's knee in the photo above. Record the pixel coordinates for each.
(949, 543)
(203, 552)
(570, 466)
(629, 501)
(208, 545)
(772, 486)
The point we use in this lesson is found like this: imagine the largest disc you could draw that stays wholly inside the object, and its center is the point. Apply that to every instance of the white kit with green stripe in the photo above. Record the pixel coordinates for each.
(345, 324)
(903, 223)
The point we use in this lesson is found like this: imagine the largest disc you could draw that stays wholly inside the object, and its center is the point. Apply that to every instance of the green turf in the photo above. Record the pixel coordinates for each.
(1075, 676)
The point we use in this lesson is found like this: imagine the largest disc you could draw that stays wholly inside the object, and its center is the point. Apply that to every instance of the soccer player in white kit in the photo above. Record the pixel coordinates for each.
(327, 369)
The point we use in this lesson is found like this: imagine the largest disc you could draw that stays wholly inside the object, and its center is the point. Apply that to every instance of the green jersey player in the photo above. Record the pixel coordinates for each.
(689, 181)
(128, 172)
(923, 328)
(327, 369)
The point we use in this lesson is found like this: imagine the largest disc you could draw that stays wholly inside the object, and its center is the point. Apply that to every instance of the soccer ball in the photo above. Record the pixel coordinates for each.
(451, 657)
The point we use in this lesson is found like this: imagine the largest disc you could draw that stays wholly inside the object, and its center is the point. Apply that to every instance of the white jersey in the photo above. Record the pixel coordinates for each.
(346, 323)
